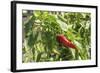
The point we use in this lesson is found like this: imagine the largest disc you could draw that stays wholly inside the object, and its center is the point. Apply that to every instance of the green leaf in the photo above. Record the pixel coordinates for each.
(63, 25)
(28, 26)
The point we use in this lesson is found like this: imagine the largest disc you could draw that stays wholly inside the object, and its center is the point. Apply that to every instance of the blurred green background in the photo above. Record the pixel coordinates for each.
(40, 29)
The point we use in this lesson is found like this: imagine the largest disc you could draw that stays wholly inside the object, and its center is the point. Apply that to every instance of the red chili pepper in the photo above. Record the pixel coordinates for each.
(63, 40)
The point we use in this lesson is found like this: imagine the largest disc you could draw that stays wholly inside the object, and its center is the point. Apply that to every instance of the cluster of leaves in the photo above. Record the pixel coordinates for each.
(40, 29)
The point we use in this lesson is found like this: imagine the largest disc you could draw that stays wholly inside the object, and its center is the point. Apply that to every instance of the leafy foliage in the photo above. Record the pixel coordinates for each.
(40, 29)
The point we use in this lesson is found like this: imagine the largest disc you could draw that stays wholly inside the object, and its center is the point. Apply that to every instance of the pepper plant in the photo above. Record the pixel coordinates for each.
(40, 31)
